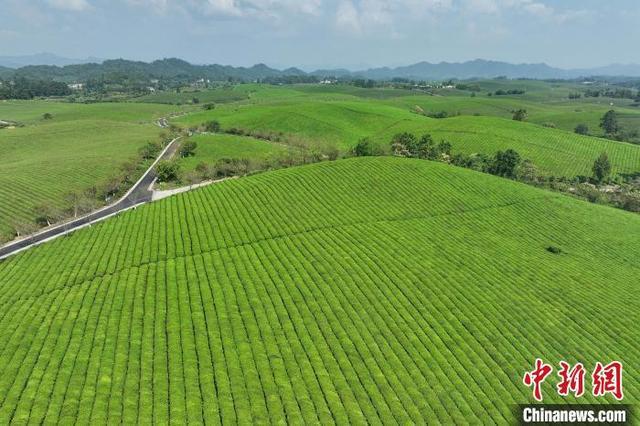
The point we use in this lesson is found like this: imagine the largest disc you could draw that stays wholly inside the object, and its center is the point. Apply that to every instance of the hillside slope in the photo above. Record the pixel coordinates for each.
(81, 147)
(341, 123)
(378, 289)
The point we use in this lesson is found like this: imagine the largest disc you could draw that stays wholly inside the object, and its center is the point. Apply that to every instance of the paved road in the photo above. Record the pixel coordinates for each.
(138, 194)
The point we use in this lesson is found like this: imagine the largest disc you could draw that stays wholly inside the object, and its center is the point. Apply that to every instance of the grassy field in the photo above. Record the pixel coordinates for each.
(378, 290)
(221, 95)
(212, 148)
(341, 121)
(82, 146)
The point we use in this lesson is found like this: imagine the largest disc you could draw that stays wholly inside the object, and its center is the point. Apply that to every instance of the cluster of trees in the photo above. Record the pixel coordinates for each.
(408, 145)
(23, 88)
(291, 79)
(503, 163)
(468, 87)
(502, 92)
(612, 129)
(620, 93)
(441, 114)
(368, 84)
(610, 124)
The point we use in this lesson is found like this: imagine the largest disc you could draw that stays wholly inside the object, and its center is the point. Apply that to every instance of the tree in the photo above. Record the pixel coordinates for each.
(425, 147)
(212, 126)
(46, 214)
(527, 171)
(444, 148)
(23, 227)
(505, 163)
(609, 123)
(195, 101)
(206, 171)
(150, 150)
(364, 148)
(582, 129)
(520, 115)
(601, 167)
(403, 144)
(81, 202)
(167, 171)
(47, 116)
(188, 149)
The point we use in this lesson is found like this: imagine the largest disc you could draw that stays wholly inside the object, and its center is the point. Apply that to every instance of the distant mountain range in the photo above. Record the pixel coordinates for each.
(42, 59)
(481, 68)
(48, 66)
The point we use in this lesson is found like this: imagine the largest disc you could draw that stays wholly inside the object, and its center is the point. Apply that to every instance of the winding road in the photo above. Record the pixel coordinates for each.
(139, 194)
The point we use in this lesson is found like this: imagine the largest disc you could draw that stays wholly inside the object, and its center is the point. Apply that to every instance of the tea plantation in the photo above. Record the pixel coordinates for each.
(377, 290)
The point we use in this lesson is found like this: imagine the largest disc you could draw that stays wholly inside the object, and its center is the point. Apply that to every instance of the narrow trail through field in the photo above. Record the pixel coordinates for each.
(139, 193)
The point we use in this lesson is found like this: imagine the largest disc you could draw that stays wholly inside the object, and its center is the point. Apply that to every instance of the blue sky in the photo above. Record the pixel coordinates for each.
(327, 33)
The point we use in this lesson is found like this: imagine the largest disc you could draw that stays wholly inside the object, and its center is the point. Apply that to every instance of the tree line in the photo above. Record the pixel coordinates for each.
(23, 88)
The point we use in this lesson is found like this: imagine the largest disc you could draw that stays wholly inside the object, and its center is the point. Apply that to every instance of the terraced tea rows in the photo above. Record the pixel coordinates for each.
(81, 147)
(365, 290)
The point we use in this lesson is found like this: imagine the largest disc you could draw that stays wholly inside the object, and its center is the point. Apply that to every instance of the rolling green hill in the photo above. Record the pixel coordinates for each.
(211, 148)
(81, 147)
(375, 290)
(342, 122)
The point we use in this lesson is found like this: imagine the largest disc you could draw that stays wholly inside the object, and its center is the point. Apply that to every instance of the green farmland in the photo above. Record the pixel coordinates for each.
(80, 147)
(221, 95)
(378, 290)
(212, 148)
(341, 120)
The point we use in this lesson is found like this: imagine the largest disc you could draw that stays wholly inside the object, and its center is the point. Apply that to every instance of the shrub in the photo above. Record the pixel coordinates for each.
(364, 148)
(582, 129)
(150, 150)
(520, 115)
(188, 148)
(212, 126)
(167, 171)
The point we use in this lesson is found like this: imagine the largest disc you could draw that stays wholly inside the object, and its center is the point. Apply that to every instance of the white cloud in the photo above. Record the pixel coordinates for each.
(347, 17)
(483, 6)
(73, 5)
(234, 8)
(534, 8)
(362, 16)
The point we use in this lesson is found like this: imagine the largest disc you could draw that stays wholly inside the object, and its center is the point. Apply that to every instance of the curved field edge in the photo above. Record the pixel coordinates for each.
(378, 289)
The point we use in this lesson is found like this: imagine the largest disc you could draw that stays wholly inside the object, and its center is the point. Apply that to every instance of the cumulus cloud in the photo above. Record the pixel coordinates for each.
(360, 16)
(234, 8)
(534, 8)
(73, 5)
